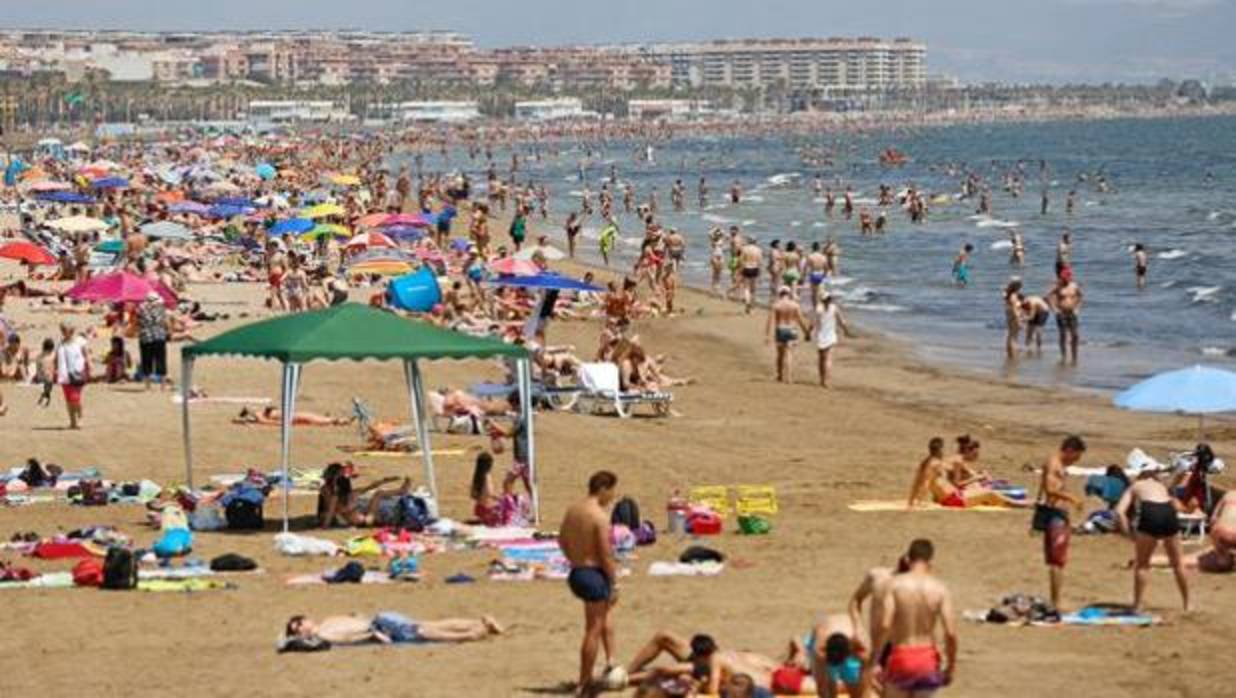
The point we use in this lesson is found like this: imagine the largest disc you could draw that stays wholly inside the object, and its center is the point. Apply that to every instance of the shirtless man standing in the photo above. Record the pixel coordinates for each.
(785, 318)
(1064, 253)
(817, 271)
(585, 540)
(1066, 300)
(1051, 513)
(913, 603)
(1141, 265)
(750, 256)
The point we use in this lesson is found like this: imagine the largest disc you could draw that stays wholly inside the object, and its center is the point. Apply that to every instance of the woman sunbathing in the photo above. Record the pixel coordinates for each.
(931, 477)
(272, 416)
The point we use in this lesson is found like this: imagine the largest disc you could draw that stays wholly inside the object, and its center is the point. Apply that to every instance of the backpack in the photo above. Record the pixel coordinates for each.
(414, 513)
(243, 515)
(88, 573)
(119, 569)
(626, 512)
(646, 534)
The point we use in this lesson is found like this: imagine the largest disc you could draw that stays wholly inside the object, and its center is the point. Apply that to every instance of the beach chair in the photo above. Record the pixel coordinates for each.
(599, 391)
(715, 497)
(365, 420)
(755, 499)
(548, 395)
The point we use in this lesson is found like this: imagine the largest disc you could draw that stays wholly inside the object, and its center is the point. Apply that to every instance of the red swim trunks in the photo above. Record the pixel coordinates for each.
(788, 680)
(914, 668)
(954, 501)
(72, 394)
(1056, 542)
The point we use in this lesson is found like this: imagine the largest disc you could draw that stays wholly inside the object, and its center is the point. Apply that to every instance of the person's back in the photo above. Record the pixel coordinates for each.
(917, 599)
(914, 602)
(579, 533)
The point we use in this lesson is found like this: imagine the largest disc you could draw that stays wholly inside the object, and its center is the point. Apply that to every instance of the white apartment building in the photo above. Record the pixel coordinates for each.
(437, 112)
(550, 109)
(670, 109)
(858, 64)
(292, 111)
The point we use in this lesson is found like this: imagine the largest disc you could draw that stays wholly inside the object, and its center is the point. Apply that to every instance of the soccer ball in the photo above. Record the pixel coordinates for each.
(615, 679)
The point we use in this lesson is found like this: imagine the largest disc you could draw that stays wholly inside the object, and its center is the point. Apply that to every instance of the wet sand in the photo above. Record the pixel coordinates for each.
(820, 449)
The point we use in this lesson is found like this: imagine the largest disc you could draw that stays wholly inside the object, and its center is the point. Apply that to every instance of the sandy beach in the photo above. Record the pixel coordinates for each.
(819, 449)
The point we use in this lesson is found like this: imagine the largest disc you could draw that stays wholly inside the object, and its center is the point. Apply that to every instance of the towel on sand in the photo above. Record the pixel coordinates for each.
(900, 505)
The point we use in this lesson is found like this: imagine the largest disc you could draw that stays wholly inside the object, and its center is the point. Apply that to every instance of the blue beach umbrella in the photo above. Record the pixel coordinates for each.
(295, 226)
(1199, 390)
(110, 183)
(65, 197)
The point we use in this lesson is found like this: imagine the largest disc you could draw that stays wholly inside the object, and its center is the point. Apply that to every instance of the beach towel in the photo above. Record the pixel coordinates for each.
(179, 400)
(184, 585)
(370, 577)
(867, 505)
(296, 545)
(1113, 614)
(405, 454)
(60, 550)
(682, 569)
(52, 580)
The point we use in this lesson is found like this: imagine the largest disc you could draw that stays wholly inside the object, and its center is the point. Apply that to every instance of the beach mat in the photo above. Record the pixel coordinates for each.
(222, 400)
(405, 454)
(867, 505)
(371, 577)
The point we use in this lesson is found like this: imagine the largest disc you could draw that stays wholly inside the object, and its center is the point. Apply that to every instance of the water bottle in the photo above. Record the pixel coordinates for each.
(676, 511)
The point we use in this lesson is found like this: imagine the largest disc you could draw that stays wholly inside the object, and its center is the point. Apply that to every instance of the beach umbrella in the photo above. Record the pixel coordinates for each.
(1198, 390)
(545, 280)
(381, 267)
(65, 197)
(265, 171)
(110, 183)
(374, 219)
(549, 253)
(27, 252)
(110, 246)
(78, 224)
(371, 239)
(167, 230)
(345, 180)
(193, 207)
(170, 197)
(291, 225)
(403, 232)
(48, 185)
(515, 267)
(323, 211)
(238, 201)
(227, 211)
(120, 287)
(322, 230)
(413, 219)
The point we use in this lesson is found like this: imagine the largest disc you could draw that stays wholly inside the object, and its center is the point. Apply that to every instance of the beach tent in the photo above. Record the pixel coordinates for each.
(356, 332)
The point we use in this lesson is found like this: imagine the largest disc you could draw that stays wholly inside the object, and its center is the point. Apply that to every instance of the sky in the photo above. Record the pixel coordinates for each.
(1054, 41)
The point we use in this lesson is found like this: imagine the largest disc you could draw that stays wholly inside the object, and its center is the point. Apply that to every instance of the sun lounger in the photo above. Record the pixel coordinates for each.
(600, 390)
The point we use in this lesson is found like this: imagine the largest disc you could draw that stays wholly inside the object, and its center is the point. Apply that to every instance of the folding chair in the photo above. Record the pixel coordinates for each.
(715, 497)
(755, 499)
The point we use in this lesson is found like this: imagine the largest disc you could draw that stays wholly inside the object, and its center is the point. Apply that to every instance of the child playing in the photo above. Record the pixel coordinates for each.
(45, 371)
(118, 362)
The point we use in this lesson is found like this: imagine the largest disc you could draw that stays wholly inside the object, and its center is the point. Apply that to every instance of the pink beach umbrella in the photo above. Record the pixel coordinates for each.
(371, 239)
(120, 287)
(516, 267)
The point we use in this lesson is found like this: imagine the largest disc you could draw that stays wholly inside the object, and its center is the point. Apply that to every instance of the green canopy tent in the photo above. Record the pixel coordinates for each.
(356, 332)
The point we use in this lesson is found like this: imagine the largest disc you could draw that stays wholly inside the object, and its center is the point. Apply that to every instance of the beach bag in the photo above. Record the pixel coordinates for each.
(626, 512)
(754, 525)
(414, 513)
(88, 573)
(243, 515)
(362, 545)
(231, 562)
(119, 569)
(646, 534)
(698, 553)
(351, 573)
(704, 524)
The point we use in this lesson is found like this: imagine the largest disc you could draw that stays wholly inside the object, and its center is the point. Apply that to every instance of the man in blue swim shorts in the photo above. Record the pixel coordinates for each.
(585, 540)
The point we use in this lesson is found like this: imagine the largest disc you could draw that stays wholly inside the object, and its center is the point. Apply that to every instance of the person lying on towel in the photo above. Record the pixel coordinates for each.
(303, 634)
(273, 417)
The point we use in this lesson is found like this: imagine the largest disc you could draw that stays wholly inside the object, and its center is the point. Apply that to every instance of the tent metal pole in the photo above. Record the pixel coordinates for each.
(186, 387)
(416, 396)
(526, 416)
(291, 376)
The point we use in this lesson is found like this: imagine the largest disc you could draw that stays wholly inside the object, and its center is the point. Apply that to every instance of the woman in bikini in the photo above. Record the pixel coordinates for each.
(272, 416)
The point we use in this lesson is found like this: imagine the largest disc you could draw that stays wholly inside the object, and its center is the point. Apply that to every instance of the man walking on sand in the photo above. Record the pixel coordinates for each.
(785, 319)
(1050, 514)
(913, 603)
(585, 540)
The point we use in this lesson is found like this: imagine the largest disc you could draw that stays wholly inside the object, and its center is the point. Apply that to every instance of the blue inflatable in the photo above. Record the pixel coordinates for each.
(417, 292)
(266, 171)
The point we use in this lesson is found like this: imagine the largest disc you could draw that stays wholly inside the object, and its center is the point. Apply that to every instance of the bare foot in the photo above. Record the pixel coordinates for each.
(492, 625)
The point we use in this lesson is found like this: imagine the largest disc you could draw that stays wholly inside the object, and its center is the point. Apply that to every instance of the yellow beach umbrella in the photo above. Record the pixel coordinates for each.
(323, 211)
(345, 180)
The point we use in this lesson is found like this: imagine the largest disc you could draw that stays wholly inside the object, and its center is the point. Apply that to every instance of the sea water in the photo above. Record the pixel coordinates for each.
(1172, 188)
